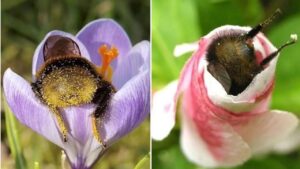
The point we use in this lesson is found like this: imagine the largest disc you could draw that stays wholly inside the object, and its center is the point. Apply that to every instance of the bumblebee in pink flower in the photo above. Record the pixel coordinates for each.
(223, 95)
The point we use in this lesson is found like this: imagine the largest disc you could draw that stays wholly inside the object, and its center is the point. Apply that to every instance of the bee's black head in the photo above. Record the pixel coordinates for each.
(232, 60)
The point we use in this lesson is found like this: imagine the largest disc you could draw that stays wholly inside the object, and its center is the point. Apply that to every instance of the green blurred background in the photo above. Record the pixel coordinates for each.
(178, 21)
(24, 24)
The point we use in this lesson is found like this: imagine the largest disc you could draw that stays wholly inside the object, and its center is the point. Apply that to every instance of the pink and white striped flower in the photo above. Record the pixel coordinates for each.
(219, 129)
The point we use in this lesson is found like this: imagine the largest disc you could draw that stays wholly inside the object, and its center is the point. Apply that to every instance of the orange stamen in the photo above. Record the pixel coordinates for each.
(108, 55)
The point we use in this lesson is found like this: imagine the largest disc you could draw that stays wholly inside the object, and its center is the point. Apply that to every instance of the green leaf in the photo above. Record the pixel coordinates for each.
(174, 22)
(171, 158)
(144, 163)
(8, 4)
(20, 26)
(13, 138)
(215, 13)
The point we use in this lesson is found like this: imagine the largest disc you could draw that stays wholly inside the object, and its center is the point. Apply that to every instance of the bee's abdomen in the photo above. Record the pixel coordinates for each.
(68, 82)
(56, 46)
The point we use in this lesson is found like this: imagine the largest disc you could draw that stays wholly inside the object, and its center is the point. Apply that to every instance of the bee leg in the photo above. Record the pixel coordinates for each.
(96, 133)
(102, 99)
(36, 89)
(61, 124)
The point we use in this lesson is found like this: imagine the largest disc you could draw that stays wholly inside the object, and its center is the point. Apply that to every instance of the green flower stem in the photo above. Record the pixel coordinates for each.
(36, 165)
(144, 162)
(13, 139)
(63, 159)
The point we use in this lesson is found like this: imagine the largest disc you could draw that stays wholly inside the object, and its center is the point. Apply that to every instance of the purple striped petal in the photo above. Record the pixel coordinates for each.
(81, 147)
(129, 107)
(104, 31)
(28, 109)
(79, 121)
(138, 59)
(38, 58)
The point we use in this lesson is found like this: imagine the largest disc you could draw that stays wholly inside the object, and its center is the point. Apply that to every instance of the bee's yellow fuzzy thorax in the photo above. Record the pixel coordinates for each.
(68, 86)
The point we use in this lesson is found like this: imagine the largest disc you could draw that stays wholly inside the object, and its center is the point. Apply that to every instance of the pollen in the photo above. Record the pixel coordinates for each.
(68, 87)
(108, 55)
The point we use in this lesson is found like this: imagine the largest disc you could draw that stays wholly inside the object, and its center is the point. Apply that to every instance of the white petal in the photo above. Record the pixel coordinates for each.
(265, 130)
(163, 111)
(185, 48)
(290, 143)
(245, 101)
(234, 150)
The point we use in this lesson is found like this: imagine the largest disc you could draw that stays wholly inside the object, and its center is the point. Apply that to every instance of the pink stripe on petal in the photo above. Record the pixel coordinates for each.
(259, 57)
(210, 128)
(185, 75)
(265, 44)
(208, 140)
(214, 123)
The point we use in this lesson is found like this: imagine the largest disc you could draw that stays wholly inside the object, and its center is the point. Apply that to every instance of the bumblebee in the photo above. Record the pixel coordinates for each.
(232, 59)
(68, 79)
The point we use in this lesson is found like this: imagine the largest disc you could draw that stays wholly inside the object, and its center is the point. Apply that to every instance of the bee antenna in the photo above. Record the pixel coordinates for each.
(274, 54)
(253, 32)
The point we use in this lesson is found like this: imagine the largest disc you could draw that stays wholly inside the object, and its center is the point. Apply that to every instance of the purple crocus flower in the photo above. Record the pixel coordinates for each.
(129, 106)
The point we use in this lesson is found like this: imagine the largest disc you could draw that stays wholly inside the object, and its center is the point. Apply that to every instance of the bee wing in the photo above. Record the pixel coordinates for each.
(219, 72)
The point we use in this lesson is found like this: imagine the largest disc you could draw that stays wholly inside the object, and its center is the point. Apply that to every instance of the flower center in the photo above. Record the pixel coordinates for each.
(108, 55)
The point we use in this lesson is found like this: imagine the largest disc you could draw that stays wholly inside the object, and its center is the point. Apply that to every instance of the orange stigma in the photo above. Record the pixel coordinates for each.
(108, 55)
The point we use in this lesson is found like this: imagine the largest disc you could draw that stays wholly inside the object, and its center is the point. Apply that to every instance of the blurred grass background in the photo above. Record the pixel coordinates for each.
(24, 24)
(175, 22)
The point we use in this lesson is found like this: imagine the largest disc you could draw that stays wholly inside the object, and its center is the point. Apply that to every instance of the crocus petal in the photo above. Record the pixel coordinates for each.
(82, 148)
(163, 111)
(137, 60)
(129, 107)
(79, 116)
(232, 151)
(32, 113)
(82, 155)
(38, 58)
(104, 31)
(28, 109)
(264, 130)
